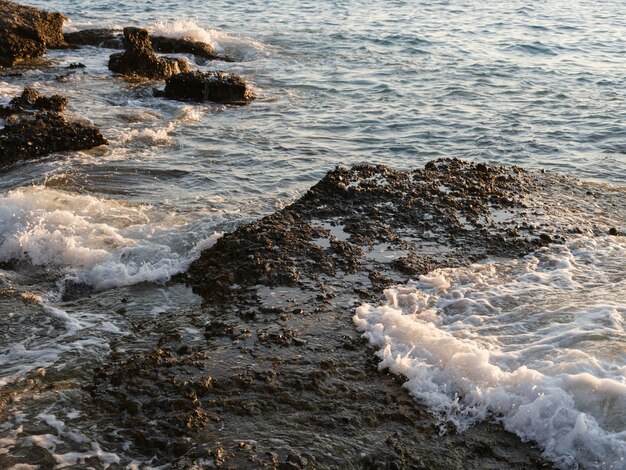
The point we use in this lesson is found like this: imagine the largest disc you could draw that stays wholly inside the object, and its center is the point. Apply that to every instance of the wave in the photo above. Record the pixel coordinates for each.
(99, 242)
(238, 47)
(536, 344)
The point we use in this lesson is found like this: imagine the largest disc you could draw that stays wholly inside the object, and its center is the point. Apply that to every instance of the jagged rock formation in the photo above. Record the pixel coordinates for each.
(31, 99)
(139, 58)
(26, 32)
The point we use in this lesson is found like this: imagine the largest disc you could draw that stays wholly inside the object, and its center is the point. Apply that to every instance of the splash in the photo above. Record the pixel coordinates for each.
(537, 344)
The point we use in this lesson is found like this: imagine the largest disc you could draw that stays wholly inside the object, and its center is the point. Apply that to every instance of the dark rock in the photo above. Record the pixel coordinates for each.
(209, 86)
(613, 231)
(109, 38)
(32, 99)
(139, 58)
(114, 39)
(26, 32)
(183, 46)
(46, 133)
(77, 65)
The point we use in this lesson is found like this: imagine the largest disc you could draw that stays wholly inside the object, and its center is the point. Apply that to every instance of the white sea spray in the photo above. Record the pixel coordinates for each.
(537, 344)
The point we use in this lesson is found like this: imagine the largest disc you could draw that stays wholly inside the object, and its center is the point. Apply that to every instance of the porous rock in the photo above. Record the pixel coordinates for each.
(32, 99)
(140, 60)
(45, 133)
(197, 86)
(26, 32)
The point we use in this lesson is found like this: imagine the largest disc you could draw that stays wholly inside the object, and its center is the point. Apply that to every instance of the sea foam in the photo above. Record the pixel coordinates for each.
(239, 47)
(103, 243)
(536, 343)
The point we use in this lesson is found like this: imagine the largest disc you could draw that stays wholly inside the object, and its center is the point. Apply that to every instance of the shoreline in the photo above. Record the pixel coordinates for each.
(271, 372)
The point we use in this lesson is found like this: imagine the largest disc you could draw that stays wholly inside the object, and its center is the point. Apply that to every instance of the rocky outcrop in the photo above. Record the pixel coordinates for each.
(33, 100)
(114, 39)
(26, 32)
(109, 38)
(219, 87)
(139, 59)
(45, 133)
(272, 373)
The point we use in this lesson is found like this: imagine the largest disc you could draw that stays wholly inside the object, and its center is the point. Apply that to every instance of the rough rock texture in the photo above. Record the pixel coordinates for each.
(109, 38)
(272, 372)
(44, 134)
(26, 32)
(32, 99)
(219, 87)
(139, 58)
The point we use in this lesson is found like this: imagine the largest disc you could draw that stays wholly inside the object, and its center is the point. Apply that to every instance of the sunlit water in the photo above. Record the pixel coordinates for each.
(397, 83)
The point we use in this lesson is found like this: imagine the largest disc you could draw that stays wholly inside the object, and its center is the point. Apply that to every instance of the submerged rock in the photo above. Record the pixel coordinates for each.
(45, 133)
(26, 32)
(139, 58)
(101, 37)
(219, 87)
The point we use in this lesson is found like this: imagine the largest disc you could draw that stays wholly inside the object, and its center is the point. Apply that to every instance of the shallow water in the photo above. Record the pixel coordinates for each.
(395, 83)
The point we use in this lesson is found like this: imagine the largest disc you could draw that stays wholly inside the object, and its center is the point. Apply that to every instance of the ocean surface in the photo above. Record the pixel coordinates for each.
(541, 85)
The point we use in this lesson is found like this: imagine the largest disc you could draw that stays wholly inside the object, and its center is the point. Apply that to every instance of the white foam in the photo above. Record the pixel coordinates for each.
(536, 343)
(99, 242)
(236, 46)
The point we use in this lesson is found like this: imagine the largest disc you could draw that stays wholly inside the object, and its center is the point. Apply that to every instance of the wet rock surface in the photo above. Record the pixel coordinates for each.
(140, 60)
(31, 99)
(184, 46)
(219, 87)
(45, 133)
(271, 373)
(26, 32)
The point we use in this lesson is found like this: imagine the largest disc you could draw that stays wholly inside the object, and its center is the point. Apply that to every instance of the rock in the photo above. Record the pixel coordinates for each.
(109, 38)
(32, 99)
(26, 32)
(613, 231)
(46, 133)
(139, 58)
(209, 86)
(113, 39)
(184, 46)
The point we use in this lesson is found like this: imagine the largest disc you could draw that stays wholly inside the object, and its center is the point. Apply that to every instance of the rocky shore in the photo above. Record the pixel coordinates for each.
(277, 376)
(34, 125)
(271, 372)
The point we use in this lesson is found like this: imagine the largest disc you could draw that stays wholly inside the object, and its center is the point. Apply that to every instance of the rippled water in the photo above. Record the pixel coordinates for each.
(396, 83)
